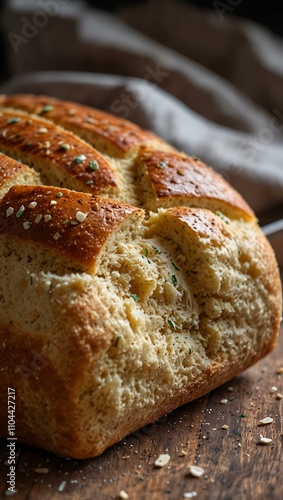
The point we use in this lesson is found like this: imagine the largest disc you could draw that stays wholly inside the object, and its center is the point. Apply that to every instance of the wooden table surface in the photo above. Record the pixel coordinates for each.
(235, 465)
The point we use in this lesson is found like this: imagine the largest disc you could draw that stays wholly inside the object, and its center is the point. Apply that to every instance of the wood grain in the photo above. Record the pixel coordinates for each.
(235, 465)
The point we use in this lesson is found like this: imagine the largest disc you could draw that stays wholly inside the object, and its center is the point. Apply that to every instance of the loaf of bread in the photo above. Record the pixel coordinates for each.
(133, 278)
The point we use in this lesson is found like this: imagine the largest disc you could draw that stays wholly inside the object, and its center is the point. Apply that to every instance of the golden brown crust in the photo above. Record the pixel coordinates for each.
(10, 169)
(74, 225)
(104, 131)
(202, 223)
(69, 161)
(178, 179)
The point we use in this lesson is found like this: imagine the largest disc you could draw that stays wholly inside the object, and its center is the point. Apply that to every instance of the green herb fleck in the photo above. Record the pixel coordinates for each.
(134, 297)
(162, 164)
(156, 249)
(21, 211)
(146, 255)
(93, 165)
(171, 323)
(15, 119)
(47, 108)
(65, 222)
(243, 415)
(59, 194)
(174, 280)
(30, 280)
(80, 158)
(90, 182)
(117, 340)
(223, 217)
(174, 265)
(190, 350)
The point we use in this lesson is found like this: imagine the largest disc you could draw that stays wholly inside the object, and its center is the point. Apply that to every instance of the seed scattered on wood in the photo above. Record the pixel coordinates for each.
(196, 471)
(265, 421)
(61, 486)
(123, 494)
(162, 460)
(265, 440)
(183, 453)
(41, 470)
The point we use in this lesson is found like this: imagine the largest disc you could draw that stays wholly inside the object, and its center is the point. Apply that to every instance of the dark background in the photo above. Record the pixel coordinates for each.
(268, 14)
